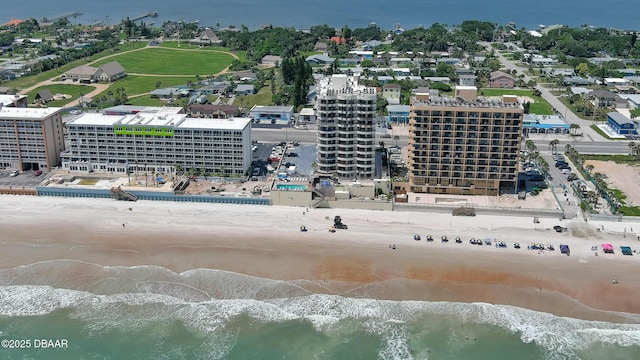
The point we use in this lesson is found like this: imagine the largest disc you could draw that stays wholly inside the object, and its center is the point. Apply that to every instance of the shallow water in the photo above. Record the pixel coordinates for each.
(152, 313)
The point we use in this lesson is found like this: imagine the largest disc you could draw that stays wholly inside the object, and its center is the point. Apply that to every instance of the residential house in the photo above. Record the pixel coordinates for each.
(110, 72)
(401, 71)
(498, 79)
(543, 61)
(244, 89)
(214, 111)
(215, 87)
(392, 93)
(467, 80)
(349, 61)
(576, 80)
(338, 40)
(398, 114)
(602, 98)
(439, 79)
(362, 54)
(621, 124)
(246, 76)
(371, 44)
(616, 81)
(166, 93)
(449, 61)
(43, 96)
(578, 90)
(4, 90)
(400, 61)
(321, 46)
(271, 60)
(207, 38)
(320, 59)
(633, 100)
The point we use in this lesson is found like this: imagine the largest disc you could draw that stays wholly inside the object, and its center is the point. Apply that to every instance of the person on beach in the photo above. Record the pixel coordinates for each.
(122, 224)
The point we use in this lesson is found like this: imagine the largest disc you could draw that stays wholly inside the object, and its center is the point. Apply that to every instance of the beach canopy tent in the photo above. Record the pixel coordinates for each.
(608, 248)
(626, 250)
(564, 249)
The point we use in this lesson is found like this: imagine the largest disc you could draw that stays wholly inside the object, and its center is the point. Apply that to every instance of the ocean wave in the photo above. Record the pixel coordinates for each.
(202, 301)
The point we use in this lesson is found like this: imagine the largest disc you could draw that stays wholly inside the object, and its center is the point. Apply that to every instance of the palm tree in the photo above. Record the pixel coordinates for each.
(589, 168)
(553, 144)
(573, 128)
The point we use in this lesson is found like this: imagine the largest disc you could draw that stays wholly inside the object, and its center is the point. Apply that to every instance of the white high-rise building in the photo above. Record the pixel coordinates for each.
(346, 114)
(158, 142)
(30, 139)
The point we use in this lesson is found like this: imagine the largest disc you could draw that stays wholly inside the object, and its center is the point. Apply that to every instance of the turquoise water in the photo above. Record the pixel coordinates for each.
(151, 313)
(291, 187)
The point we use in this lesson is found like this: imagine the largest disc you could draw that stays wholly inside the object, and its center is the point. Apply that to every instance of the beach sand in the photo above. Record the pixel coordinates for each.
(265, 242)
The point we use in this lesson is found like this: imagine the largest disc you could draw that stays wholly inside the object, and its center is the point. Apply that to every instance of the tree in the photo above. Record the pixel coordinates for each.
(573, 128)
(553, 144)
(527, 107)
(158, 83)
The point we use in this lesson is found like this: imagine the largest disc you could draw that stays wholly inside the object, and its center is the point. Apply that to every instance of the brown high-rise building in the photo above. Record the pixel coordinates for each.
(464, 145)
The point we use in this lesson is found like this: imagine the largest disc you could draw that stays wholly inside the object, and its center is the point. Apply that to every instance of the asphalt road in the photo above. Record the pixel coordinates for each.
(570, 117)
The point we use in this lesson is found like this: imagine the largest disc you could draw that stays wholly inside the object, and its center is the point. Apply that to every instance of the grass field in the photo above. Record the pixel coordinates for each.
(539, 106)
(145, 100)
(27, 81)
(73, 90)
(263, 97)
(172, 62)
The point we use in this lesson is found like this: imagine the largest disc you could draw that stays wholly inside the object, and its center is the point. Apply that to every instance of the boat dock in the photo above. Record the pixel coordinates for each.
(51, 20)
(151, 14)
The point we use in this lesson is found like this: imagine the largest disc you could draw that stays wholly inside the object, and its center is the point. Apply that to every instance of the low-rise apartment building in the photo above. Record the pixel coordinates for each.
(157, 143)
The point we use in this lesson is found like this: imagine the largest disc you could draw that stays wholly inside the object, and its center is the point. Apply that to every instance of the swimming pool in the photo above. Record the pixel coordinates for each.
(291, 187)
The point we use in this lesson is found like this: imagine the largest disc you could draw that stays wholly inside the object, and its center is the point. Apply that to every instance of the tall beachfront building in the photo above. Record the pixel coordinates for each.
(464, 145)
(30, 138)
(345, 140)
(157, 142)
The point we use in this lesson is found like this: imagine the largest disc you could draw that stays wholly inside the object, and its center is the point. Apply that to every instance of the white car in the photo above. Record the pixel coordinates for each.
(14, 173)
(566, 171)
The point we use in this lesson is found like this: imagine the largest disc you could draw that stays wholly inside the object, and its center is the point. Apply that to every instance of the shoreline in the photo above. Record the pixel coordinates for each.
(265, 242)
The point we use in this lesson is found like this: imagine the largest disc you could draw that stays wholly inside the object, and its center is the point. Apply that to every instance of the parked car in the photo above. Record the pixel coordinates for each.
(37, 173)
(14, 173)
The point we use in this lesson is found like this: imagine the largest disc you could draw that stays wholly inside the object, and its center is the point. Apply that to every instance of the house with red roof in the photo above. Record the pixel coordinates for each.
(338, 40)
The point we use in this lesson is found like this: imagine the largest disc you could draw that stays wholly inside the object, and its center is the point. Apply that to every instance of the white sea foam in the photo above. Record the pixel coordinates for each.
(207, 301)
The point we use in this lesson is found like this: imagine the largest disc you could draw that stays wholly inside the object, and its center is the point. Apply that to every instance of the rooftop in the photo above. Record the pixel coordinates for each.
(480, 102)
(343, 84)
(27, 113)
(177, 121)
(267, 108)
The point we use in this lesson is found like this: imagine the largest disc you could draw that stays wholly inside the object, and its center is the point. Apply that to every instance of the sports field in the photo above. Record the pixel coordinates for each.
(168, 61)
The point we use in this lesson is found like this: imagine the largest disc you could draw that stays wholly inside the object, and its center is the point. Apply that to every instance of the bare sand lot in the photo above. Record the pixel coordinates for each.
(623, 177)
(377, 257)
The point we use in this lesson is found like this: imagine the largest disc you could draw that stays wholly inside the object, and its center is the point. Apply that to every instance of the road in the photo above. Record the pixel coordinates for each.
(585, 125)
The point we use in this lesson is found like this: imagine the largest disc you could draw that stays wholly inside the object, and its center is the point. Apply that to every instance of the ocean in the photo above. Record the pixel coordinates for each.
(618, 14)
(149, 312)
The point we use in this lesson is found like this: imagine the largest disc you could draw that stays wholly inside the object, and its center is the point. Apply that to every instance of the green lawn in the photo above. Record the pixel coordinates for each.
(263, 97)
(539, 106)
(27, 81)
(143, 84)
(145, 100)
(73, 90)
(172, 62)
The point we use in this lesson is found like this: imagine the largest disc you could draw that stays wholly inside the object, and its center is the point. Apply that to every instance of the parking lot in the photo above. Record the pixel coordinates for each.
(23, 179)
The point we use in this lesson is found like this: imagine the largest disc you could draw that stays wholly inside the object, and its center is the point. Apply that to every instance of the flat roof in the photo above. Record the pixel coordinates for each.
(146, 109)
(266, 108)
(9, 99)
(177, 121)
(27, 113)
(307, 111)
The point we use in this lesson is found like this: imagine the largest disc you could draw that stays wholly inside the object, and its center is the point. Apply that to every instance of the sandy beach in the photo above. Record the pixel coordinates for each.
(266, 242)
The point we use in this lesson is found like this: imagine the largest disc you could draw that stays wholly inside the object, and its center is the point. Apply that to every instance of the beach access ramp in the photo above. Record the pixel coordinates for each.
(119, 194)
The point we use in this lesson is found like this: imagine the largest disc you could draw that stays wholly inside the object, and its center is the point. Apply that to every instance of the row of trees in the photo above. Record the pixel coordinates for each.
(296, 77)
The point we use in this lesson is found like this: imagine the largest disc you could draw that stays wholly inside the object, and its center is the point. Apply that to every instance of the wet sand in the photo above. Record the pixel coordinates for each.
(266, 242)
